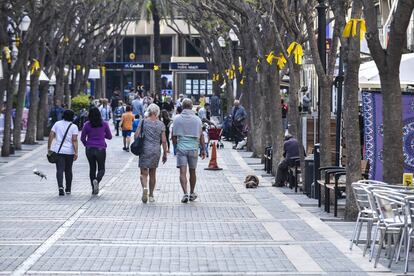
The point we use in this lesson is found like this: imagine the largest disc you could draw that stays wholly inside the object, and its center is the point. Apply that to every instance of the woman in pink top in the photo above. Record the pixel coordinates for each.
(94, 133)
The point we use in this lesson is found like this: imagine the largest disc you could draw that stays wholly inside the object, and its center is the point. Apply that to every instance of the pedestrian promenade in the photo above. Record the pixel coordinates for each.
(228, 231)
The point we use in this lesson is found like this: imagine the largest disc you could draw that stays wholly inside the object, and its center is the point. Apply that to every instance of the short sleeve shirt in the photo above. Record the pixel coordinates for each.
(59, 128)
(127, 120)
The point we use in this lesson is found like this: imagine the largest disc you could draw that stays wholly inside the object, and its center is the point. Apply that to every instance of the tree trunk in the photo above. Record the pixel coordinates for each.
(293, 114)
(157, 45)
(294, 118)
(21, 93)
(76, 83)
(84, 81)
(42, 114)
(60, 83)
(393, 159)
(351, 117)
(5, 149)
(325, 124)
(30, 138)
(67, 93)
(273, 110)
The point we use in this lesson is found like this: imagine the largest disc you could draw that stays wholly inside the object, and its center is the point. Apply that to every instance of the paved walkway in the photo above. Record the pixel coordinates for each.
(228, 231)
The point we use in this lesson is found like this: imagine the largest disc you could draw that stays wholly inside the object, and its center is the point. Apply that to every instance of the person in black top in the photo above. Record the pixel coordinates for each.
(290, 153)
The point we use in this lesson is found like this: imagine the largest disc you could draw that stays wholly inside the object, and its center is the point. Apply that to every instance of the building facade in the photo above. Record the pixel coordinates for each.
(131, 64)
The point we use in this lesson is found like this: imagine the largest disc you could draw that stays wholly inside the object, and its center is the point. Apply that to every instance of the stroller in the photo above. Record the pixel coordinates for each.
(214, 133)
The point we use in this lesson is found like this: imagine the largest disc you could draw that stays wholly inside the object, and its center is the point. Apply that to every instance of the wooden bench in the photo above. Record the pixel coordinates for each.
(334, 173)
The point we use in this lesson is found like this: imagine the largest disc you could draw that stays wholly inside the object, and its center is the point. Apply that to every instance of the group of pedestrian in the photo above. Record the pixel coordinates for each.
(186, 133)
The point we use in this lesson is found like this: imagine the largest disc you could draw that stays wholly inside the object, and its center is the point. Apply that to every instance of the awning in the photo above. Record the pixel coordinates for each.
(369, 75)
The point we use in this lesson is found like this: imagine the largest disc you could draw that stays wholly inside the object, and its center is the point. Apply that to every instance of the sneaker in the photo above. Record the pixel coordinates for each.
(61, 192)
(151, 199)
(145, 196)
(127, 149)
(67, 192)
(95, 187)
(184, 199)
(193, 196)
(124, 148)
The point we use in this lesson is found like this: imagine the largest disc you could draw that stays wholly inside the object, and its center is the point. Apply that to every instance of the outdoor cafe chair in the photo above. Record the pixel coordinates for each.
(392, 221)
(409, 207)
(365, 214)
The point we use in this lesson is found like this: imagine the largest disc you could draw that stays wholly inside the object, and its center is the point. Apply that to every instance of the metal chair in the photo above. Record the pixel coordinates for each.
(365, 214)
(392, 221)
(409, 207)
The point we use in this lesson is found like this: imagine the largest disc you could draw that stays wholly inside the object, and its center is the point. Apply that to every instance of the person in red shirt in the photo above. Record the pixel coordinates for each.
(285, 110)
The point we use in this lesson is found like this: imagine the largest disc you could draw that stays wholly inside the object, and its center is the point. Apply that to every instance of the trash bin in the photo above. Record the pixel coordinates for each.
(309, 162)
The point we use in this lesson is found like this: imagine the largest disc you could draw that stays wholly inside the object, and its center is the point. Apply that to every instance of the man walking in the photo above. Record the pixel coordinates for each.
(187, 135)
(138, 107)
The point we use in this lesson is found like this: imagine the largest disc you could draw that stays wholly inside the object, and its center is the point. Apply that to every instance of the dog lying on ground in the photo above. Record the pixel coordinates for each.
(251, 181)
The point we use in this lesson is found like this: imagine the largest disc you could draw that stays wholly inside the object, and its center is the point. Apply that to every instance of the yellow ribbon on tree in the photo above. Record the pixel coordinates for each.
(103, 70)
(242, 80)
(66, 40)
(7, 54)
(156, 67)
(241, 69)
(216, 77)
(297, 50)
(17, 41)
(35, 66)
(270, 57)
(351, 28)
(281, 61)
(230, 73)
(78, 67)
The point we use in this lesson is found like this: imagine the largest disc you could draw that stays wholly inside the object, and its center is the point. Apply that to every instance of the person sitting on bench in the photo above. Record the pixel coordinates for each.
(291, 154)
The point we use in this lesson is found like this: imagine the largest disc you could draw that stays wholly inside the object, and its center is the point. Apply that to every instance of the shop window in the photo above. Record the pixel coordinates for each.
(143, 48)
(128, 48)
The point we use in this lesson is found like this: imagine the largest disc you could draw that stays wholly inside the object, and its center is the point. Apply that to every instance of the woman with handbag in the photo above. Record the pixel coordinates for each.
(64, 150)
(94, 133)
(153, 136)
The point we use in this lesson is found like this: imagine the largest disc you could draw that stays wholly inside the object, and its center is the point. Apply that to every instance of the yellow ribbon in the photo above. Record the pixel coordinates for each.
(17, 41)
(351, 28)
(242, 80)
(241, 69)
(216, 77)
(156, 67)
(7, 54)
(103, 70)
(230, 73)
(297, 50)
(35, 66)
(270, 57)
(78, 67)
(281, 61)
(66, 40)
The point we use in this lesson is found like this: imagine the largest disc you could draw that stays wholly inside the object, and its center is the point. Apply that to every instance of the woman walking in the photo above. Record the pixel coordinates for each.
(94, 133)
(165, 116)
(154, 135)
(65, 134)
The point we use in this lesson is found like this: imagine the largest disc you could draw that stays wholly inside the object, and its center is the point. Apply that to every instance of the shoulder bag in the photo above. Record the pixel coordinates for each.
(52, 157)
(137, 147)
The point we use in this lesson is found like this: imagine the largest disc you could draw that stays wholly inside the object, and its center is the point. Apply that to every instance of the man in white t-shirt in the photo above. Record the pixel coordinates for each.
(67, 151)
